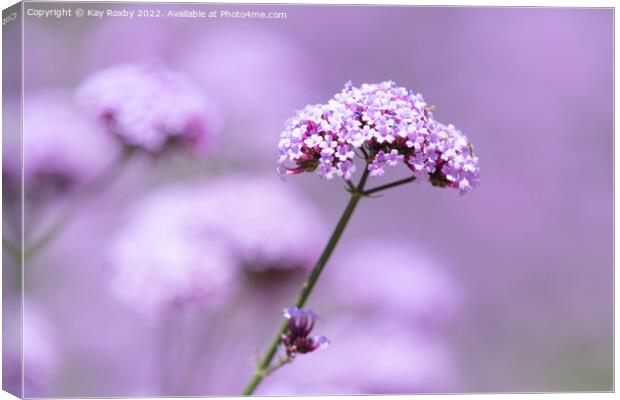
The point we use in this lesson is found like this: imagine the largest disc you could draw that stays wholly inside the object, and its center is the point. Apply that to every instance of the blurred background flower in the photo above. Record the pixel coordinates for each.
(391, 278)
(63, 152)
(54, 165)
(386, 307)
(186, 243)
(267, 223)
(149, 108)
(34, 345)
(512, 291)
(198, 249)
(165, 257)
(368, 356)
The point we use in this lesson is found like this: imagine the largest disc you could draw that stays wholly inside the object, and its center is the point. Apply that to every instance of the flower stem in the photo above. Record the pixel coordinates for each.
(389, 185)
(279, 365)
(263, 368)
(13, 250)
(106, 178)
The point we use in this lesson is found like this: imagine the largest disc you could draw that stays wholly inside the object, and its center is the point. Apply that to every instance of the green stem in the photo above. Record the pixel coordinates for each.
(263, 369)
(13, 250)
(104, 180)
(389, 185)
(15, 262)
(279, 365)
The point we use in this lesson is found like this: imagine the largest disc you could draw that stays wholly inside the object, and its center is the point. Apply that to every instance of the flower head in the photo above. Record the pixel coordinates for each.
(394, 280)
(164, 258)
(268, 225)
(149, 108)
(62, 150)
(31, 356)
(185, 244)
(297, 339)
(383, 124)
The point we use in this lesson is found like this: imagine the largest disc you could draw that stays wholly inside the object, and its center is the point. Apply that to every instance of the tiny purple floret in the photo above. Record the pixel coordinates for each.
(297, 339)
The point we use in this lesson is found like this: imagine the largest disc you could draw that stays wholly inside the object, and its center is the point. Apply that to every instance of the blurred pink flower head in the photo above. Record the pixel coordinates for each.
(164, 257)
(61, 149)
(40, 354)
(149, 107)
(389, 125)
(35, 345)
(297, 339)
(185, 244)
(396, 281)
(268, 225)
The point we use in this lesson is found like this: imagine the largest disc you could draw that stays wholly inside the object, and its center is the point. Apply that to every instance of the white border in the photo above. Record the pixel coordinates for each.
(482, 3)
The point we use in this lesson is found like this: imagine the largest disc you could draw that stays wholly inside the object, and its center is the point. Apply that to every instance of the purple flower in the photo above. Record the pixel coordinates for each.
(394, 280)
(297, 339)
(266, 224)
(163, 257)
(328, 146)
(384, 135)
(456, 165)
(313, 140)
(41, 358)
(149, 108)
(30, 339)
(376, 168)
(393, 158)
(345, 152)
(346, 169)
(327, 170)
(63, 151)
(391, 124)
(185, 244)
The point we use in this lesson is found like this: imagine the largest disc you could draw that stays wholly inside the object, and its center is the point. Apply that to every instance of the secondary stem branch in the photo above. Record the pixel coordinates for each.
(389, 185)
(99, 184)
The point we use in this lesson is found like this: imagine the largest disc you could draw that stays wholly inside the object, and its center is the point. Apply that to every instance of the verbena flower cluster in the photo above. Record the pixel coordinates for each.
(149, 107)
(297, 339)
(385, 125)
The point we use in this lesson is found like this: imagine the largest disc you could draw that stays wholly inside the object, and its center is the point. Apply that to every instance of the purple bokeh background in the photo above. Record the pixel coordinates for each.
(524, 263)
